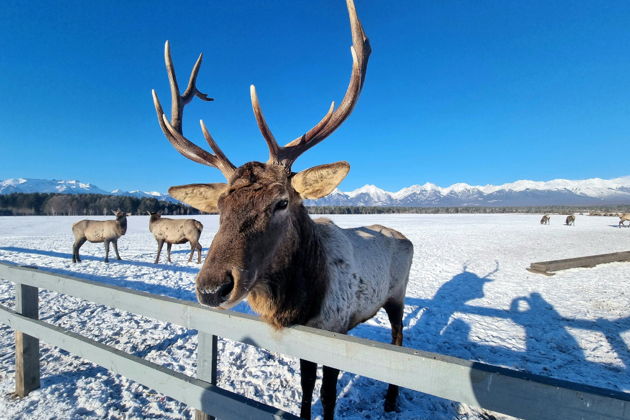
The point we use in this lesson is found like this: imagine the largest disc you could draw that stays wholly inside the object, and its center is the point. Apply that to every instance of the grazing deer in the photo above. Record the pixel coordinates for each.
(623, 217)
(546, 219)
(291, 268)
(570, 220)
(97, 231)
(175, 231)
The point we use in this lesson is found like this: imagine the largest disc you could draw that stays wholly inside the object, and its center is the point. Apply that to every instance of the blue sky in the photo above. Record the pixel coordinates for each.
(477, 92)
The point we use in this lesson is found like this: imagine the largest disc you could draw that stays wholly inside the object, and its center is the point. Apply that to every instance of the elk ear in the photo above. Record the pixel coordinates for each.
(203, 197)
(319, 181)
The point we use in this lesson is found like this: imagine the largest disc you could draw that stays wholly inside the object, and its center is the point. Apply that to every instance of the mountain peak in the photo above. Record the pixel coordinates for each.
(73, 186)
(593, 191)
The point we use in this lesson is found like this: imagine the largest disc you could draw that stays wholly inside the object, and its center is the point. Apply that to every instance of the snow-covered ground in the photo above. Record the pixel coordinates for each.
(469, 296)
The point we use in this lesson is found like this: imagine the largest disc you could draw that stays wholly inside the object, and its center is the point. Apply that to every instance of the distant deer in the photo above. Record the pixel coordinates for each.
(175, 231)
(624, 217)
(546, 219)
(291, 268)
(570, 220)
(98, 231)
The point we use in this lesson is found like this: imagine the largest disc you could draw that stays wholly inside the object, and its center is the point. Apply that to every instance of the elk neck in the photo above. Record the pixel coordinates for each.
(292, 287)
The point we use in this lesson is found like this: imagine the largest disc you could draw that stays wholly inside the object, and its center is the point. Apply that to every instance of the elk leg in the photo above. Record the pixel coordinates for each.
(115, 243)
(75, 249)
(168, 251)
(395, 314)
(106, 251)
(160, 245)
(192, 251)
(308, 374)
(329, 392)
(193, 246)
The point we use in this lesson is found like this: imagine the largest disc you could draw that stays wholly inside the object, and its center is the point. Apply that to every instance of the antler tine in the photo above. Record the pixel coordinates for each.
(192, 90)
(173, 129)
(263, 127)
(316, 129)
(183, 145)
(360, 51)
(193, 152)
(222, 162)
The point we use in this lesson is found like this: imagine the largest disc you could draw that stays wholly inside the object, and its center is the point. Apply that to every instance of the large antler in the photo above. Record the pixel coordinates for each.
(173, 129)
(334, 118)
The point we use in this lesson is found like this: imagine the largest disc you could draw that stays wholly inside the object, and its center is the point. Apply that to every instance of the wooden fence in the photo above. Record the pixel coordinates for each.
(476, 384)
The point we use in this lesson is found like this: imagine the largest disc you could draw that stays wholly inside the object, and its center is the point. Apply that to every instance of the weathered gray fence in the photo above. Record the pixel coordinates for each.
(498, 389)
(548, 267)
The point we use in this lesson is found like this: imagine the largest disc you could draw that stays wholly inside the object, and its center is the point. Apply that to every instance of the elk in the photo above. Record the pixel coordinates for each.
(570, 220)
(546, 219)
(175, 231)
(623, 217)
(97, 231)
(292, 269)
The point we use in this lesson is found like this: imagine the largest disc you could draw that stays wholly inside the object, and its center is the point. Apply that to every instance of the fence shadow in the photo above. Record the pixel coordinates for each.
(68, 256)
(158, 289)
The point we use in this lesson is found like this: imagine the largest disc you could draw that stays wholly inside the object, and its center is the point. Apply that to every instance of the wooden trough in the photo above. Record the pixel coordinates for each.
(548, 267)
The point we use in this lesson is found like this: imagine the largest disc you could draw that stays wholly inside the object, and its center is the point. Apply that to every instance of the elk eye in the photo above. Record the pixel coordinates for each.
(281, 205)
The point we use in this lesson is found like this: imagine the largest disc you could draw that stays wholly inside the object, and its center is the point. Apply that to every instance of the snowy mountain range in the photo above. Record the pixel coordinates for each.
(594, 191)
(29, 185)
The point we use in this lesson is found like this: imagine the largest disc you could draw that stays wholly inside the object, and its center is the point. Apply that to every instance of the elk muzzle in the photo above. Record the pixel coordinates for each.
(223, 288)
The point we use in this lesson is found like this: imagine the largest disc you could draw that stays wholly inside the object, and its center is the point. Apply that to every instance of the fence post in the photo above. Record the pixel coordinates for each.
(26, 347)
(206, 365)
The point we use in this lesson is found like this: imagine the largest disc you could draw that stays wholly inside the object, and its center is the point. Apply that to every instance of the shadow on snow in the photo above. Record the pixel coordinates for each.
(435, 325)
(112, 260)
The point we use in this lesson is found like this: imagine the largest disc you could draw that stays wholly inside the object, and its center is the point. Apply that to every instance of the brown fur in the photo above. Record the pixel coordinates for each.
(175, 231)
(287, 292)
(97, 231)
(269, 250)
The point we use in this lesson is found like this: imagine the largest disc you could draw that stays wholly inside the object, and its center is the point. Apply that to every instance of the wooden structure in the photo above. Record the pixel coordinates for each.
(476, 384)
(548, 267)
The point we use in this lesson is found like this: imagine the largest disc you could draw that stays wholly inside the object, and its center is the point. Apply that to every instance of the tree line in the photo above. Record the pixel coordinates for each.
(51, 204)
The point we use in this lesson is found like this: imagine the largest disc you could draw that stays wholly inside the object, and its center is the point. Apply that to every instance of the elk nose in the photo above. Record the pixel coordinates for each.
(225, 290)
(215, 296)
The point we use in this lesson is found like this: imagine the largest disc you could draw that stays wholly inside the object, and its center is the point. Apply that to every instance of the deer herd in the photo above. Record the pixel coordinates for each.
(292, 269)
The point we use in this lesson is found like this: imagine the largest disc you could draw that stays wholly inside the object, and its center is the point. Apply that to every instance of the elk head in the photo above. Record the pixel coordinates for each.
(260, 206)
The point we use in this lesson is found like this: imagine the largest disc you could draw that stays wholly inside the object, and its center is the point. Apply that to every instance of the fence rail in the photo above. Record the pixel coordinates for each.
(494, 388)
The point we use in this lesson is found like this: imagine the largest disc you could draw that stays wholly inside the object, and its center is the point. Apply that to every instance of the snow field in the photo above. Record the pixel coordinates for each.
(469, 296)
